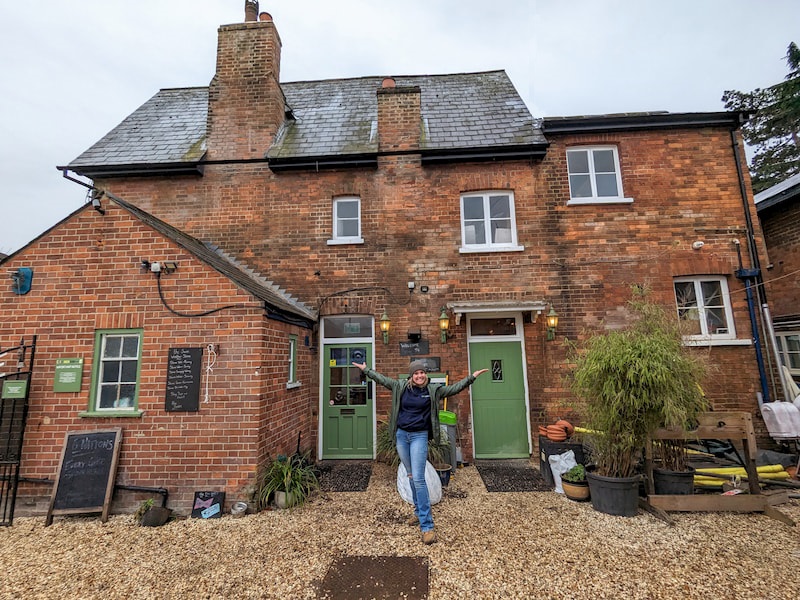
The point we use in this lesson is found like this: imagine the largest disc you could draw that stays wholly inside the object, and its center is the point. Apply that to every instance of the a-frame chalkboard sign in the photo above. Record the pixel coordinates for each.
(86, 474)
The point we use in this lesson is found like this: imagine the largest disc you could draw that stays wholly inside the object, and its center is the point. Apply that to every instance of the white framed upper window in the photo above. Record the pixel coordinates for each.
(704, 308)
(594, 175)
(346, 221)
(488, 222)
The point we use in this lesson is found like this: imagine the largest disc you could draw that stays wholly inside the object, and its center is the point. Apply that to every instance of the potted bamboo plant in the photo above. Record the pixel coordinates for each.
(633, 381)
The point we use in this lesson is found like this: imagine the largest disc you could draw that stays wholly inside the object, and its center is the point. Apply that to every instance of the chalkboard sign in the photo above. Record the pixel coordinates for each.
(208, 505)
(86, 473)
(183, 379)
(414, 348)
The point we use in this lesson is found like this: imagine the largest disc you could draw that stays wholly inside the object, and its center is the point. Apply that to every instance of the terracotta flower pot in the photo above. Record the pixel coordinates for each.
(576, 490)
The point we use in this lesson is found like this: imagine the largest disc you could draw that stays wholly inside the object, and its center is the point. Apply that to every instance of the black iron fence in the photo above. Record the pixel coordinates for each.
(16, 367)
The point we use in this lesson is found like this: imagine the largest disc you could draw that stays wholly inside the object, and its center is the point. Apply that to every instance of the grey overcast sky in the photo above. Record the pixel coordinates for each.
(73, 69)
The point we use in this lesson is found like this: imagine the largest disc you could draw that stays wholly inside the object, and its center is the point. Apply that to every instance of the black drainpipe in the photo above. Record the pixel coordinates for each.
(751, 277)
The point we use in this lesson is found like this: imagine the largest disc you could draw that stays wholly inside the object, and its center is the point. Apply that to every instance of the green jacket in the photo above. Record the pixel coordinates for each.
(436, 391)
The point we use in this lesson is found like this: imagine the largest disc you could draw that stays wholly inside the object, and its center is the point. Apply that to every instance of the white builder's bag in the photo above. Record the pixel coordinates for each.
(561, 463)
(431, 478)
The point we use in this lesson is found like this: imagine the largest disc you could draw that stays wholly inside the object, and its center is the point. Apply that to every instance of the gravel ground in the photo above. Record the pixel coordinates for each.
(491, 545)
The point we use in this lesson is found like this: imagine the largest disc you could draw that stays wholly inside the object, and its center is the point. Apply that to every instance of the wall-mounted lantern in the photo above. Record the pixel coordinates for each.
(552, 323)
(385, 323)
(444, 324)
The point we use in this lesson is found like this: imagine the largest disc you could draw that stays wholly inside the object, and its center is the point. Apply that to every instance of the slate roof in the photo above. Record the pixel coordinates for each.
(465, 112)
(276, 299)
(779, 193)
(168, 130)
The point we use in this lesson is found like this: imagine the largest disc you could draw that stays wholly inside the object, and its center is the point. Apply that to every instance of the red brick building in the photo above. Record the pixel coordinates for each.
(396, 197)
(779, 214)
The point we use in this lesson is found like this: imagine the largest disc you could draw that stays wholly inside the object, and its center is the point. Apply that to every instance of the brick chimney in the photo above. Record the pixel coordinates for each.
(245, 102)
(399, 117)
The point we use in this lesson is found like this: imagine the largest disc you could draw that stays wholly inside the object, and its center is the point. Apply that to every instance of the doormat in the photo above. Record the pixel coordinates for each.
(344, 476)
(510, 476)
(351, 577)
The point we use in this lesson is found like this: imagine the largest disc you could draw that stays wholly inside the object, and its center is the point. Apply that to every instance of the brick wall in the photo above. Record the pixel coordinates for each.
(87, 276)
(583, 259)
(782, 233)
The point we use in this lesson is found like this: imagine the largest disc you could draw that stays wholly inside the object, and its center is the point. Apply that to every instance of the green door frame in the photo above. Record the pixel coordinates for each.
(326, 344)
(519, 338)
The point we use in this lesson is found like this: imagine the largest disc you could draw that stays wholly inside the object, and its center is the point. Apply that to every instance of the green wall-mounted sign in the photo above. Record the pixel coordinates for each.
(69, 372)
(14, 388)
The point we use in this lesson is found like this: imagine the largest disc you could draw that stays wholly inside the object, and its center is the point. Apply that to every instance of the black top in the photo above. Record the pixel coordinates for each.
(415, 409)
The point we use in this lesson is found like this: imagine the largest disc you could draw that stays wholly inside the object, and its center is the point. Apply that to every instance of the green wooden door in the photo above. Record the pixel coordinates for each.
(347, 403)
(499, 413)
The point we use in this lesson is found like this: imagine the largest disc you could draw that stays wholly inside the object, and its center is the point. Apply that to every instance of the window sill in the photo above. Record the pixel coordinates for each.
(293, 384)
(344, 241)
(476, 249)
(579, 201)
(716, 342)
(111, 413)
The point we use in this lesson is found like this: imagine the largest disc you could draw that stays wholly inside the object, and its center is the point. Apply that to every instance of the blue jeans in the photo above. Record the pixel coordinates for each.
(412, 446)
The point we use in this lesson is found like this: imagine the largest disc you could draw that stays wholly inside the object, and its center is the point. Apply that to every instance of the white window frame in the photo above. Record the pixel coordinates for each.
(488, 245)
(594, 198)
(704, 338)
(345, 239)
(292, 363)
(789, 358)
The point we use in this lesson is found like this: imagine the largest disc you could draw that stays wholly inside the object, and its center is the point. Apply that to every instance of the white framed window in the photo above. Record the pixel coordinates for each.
(292, 374)
(704, 308)
(594, 175)
(346, 221)
(789, 349)
(488, 222)
(115, 372)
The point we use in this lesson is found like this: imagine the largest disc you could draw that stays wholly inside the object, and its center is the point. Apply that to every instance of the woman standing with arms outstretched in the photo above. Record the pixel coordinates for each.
(413, 420)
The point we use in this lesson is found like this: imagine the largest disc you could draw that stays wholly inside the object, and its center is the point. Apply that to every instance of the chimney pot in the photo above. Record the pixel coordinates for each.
(388, 82)
(250, 10)
(265, 16)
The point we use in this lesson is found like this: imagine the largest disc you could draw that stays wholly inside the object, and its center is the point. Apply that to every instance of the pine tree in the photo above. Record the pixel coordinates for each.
(774, 127)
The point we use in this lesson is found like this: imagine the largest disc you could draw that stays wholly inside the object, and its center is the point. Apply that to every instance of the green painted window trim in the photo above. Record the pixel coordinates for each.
(110, 413)
(91, 411)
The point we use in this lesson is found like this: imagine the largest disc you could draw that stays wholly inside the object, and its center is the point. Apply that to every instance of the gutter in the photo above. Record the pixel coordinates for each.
(634, 121)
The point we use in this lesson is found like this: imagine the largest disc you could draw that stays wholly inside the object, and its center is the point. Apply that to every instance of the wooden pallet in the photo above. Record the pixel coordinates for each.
(732, 426)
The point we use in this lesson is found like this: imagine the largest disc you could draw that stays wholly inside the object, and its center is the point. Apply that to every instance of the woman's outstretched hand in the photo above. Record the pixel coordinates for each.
(477, 374)
(361, 366)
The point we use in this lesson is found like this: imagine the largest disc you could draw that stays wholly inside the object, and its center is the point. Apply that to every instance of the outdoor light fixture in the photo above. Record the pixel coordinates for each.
(169, 266)
(385, 324)
(95, 195)
(444, 324)
(552, 323)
